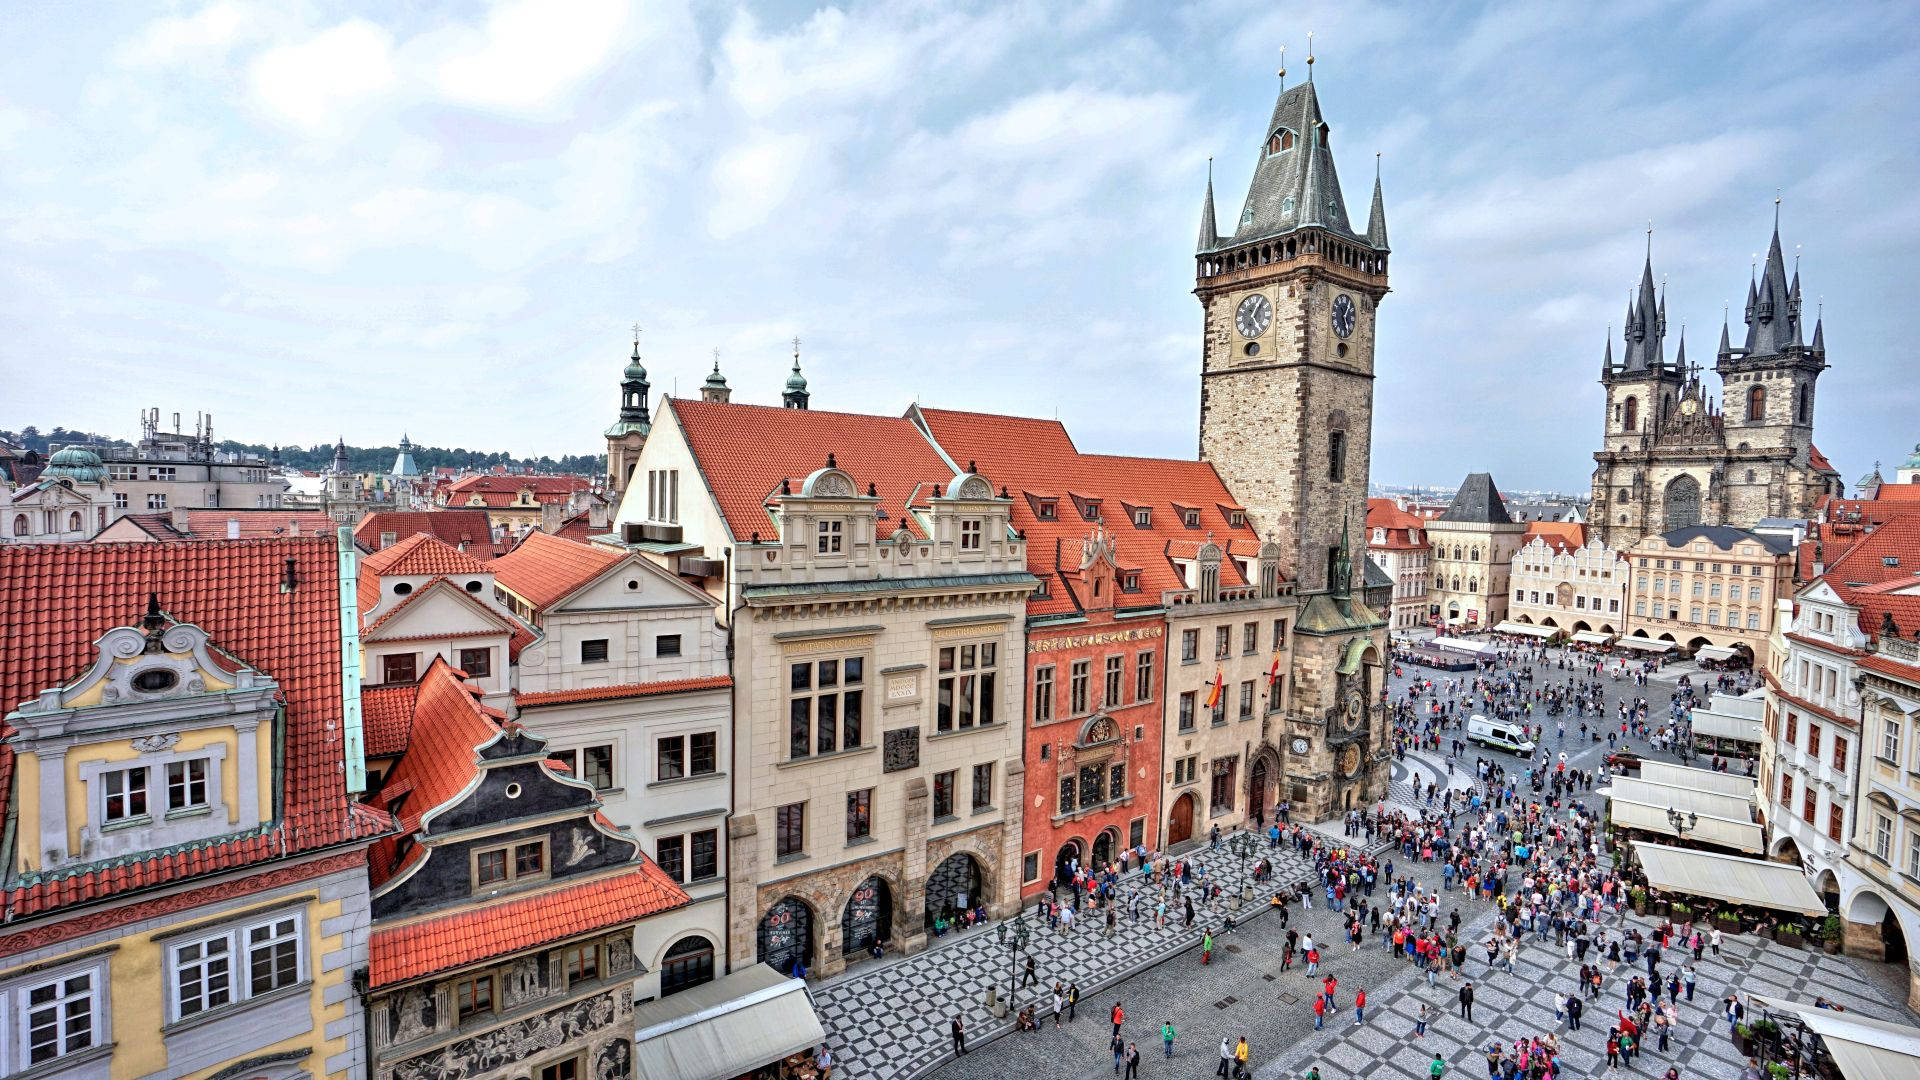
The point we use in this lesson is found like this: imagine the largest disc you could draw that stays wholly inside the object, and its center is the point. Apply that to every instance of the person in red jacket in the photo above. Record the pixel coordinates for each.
(1118, 1015)
(1360, 1007)
(1319, 1011)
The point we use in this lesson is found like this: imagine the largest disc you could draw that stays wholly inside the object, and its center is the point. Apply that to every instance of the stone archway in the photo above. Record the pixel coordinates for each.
(1072, 852)
(954, 886)
(1105, 847)
(786, 935)
(1680, 504)
(1787, 850)
(1180, 820)
(1263, 784)
(867, 917)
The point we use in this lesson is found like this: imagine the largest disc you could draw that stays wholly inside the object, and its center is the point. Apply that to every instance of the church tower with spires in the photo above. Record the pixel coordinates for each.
(1671, 456)
(628, 433)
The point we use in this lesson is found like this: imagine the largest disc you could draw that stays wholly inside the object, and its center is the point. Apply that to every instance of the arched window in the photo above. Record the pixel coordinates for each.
(1286, 206)
(1805, 411)
(1756, 404)
(1456, 584)
(1474, 556)
(73, 521)
(20, 525)
(1273, 144)
(688, 963)
(1473, 584)
(1631, 420)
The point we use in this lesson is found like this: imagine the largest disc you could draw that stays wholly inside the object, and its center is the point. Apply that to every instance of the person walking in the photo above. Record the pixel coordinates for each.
(1466, 1002)
(1240, 1055)
(1059, 999)
(1438, 1069)
(1133, 1062)
(1206, 946)
(1029, 979)
(959, 1036)
(1073, 999)
(1118, 1014)
(1420, 1024)
(1119, 1048)
(1226, 1057)
(1574, 1009)
(1360, 1007)
(1319, 1011)
(1166, 1036)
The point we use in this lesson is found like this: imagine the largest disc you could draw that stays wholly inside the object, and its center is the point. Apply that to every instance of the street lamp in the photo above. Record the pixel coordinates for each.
(1682, 823)
(1017, 942)
(1241, 844)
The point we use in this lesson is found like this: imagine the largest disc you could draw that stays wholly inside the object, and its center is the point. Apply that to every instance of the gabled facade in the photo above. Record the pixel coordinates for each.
(1559, 582)
(1397, 544)
(864, 578)
(421, 599)
(1473, 544)
(504, 909)
(185, 877)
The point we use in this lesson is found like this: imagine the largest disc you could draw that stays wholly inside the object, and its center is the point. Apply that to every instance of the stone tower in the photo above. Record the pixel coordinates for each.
(629, 433)
(1768, 383)
(1289, 297)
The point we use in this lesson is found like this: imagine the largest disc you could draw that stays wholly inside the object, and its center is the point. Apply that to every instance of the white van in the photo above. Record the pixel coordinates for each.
(1499, 734)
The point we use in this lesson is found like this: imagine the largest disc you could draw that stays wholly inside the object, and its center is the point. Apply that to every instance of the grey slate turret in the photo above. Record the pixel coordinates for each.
(1606, 362)
(1646, 327)
(1773, 313)
(1819, 345)
(1302, 175)
(1726, 344)
(1478, 501)
(1377, 218)
(1209, 226)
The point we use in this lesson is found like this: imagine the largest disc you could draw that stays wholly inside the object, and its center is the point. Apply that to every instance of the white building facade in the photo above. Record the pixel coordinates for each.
(1579, 589)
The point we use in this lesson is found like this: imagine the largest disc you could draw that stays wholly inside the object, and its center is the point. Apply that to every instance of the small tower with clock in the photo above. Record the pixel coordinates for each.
(1289, 297)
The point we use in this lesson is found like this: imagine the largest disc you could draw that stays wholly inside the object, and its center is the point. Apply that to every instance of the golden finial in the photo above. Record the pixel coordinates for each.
(1309, 56)
(1283, 67)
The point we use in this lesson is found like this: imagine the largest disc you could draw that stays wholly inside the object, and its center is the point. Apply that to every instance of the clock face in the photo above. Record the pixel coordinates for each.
(1344, 315)
(1688, 406)
(1254, 316)
(1353, 708)
(1300, 747)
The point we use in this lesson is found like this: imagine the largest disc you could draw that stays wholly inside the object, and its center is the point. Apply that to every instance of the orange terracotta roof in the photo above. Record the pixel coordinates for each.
(448, 726)
(745, 451)
(386, 714)
(419, 555)
(1025, 454)
(158, 526)
(1898, 493)
(1888, 666)
(478, 934)
(1559, 535)
(624, 690)
(57, 599)
(452, 526)
(504, 491)
(1857, 573)
(255, 524)
(1819, 460)
(545, 568)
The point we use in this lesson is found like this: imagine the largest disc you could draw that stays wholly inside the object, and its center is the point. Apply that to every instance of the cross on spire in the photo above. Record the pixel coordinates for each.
(636, 333)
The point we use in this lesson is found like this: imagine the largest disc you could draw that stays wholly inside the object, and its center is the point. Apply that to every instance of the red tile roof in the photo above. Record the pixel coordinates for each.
(56, 601)
(158, 526)
(545, 568)
(475, 935)
(386, 715)
(1559, 535)
(1898, 493)
(1888, 666)
(448, 725)
(624, 690)
(1027, 455)
(1819, 460)
(745, 451)
(1400, 525)
(212, 524)
(419, 555)
(1863, 578)
(451, 526)
(504, 491)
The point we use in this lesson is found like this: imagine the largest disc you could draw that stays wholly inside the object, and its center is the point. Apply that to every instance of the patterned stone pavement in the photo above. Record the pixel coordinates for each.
(893, 1020)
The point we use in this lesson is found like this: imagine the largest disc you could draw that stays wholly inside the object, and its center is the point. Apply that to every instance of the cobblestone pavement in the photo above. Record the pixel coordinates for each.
(893, 1020)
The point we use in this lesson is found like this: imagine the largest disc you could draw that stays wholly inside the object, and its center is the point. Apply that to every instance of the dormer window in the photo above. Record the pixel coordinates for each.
(1143, 517)
(970, 534)
(1286, 206)
(829, 534)
(1280, 140)
(1236, 518)
(1191, 518)
(125, 792)
(186, 785)
(1048, 510)
(1043, 590)
(1130, 582)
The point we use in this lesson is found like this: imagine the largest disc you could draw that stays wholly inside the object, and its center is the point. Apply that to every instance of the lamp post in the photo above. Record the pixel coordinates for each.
(1682, 823)
(1015, 942)
(1241, 844)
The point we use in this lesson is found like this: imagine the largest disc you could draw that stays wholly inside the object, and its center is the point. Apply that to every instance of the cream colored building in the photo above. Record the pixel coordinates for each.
(69, 502)
(867, 585)
(1397, 544)
(1473, 545)
(1709, 585)
(167, 469)
(1571, 589)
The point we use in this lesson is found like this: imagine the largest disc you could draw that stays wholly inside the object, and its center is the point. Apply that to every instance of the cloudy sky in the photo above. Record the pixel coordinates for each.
(319, 219)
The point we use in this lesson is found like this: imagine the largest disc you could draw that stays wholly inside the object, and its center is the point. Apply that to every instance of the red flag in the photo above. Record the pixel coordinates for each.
(1213, 695)
(1273, 673)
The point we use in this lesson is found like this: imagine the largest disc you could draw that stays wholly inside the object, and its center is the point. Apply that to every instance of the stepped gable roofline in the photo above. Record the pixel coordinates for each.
(1724, 537)
(57, 600)
(1559, 535)
(1478, 502)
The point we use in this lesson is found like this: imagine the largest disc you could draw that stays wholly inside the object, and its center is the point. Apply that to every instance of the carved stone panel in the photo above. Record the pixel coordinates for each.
(502, 1047)
(900, 749)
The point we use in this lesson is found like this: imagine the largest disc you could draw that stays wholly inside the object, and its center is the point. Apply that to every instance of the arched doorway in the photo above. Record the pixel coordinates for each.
(1257, 790)
(1681, 503)
(1581, 627)
(1105, 845)
(867, 918)
(687, 963)
(1787, 850)
(1828, 887)
(1063, 860)
(786, 935)
(1869, 907)
(1180, 822)
(953, 887)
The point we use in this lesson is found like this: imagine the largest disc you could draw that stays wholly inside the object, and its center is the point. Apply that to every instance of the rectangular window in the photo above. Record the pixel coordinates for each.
(1279, 634)
(1116, 676)
(859, 814)
(1833, 821)
(1813, 740)
(1882, 837)
(1840, 753)
(1116, 781)
(1143, 676)
(596, 766)
(120, 500)
(982, 787)
(966, 686)
(593, 651)
(828, 538)
(473, 997)
(1219, 713)
(273, 955)
(1809, 804)
(1786, 789)
(1220, 795)
(582, 963)
(666, 645)
(1250, 639)
(1222, 642)
(1793, 728)
(706, 854)
(1030, 868)
(671, 853)
(58, 1017)
(825, 710)
(1042, 694)
(156, 500)
(398, 669)
(1077, 686)
(496, 867)
(1189, 646)
(477, 663)
(1913, 854)
(943, 794)
(1066, 794)
(202, 975)
(1186, 711)
(1246, 700)
(970, 534)
(670, 758)
(1890, 739)
(1276, 693)
(1337, 456)
(569, 1069)
(126, 794)
(703, 753)
(186, 784)
(790, 830)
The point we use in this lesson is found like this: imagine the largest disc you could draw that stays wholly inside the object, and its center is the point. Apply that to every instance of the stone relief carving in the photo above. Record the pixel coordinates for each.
(580, 846)
(832, 484)
(413, 1015)
(615, 1061)
(619, 956)
(901, 750)
(150, 744)
(973, 487)
(526, 981)
(510, 1043)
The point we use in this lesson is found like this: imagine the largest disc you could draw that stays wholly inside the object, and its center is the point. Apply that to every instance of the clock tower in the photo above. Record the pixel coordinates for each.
(1289, 297)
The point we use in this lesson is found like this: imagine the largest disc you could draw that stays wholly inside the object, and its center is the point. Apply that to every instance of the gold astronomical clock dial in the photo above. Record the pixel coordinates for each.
(1350, 760)
(1354, 709)
(1689, 407)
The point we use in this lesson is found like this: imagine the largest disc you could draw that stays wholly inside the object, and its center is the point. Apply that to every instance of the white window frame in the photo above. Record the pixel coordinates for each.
(205, 782)
(238, 939)
(17, 1012)
(576, 759)
(829, 537)
(1890, 738)
(103, 795)
(970, 534)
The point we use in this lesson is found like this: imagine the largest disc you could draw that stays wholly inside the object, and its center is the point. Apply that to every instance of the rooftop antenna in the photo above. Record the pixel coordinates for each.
(1376, 166)
(1283, 67)
(1309, 56)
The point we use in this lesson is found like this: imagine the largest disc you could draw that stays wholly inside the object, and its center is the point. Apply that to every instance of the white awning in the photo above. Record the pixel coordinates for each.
(1754, 882)
(1645, 644)
(1719, 725)
(1717, 653)
(725, 1028)
(1662, 772)
(1721, 832)
(1591, 637)
(1527, 629)
(1863, 1048)
(1687, 800)
(1462, 645)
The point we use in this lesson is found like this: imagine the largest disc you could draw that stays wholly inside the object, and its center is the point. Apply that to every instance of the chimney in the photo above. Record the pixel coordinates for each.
(293, 526)
(552, 516)
(597, 514)
(180, 519)
(233, 528)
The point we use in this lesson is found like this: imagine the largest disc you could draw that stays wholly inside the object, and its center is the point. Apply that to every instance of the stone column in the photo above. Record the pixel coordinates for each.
(743, 894)
(1862, 940)
(826, 924)
(913, 867)
(1012, 839)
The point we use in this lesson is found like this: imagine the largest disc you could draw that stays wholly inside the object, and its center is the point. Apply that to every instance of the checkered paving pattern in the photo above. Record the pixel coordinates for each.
(894, 1021)
(1512, 1006)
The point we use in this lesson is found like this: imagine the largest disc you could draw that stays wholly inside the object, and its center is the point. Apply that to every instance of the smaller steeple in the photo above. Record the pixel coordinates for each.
(715, 389)
(1819, 345)
(1209, 225)
(1377, 217)
(1726, 345)
(1606, 361)
(633, 395)
(341, 466)
(796, 395)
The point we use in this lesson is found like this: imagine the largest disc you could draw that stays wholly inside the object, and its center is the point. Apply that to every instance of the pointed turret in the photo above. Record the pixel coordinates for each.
(1377, 215)
(1606, 361)
(1646, 326)
(1209, 227)
(796, 396)
(715, 389)
(1773, 321)
(341, 466)
(1726, 345)
(1680, 355)
(633, 395)
(1294, 181)
(1819, 345)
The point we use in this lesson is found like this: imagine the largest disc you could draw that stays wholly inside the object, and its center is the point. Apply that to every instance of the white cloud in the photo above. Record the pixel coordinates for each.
(529, 54)
(752, 180)
(202, 38)
(312, 83)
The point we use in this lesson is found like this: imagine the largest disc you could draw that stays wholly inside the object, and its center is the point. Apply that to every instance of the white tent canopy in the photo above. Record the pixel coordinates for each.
(1661, 772)
(1645, 644)
(1525, 629)
(1718, 725)
(1716, 653)
(1863, 1048)
(1721, 832)
(1463, 645)
(1687, 800)
(1753, 882)
(725, 1028)
(1591, 637)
